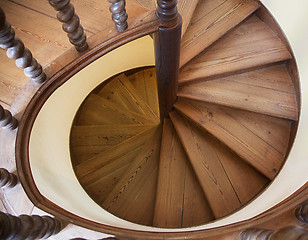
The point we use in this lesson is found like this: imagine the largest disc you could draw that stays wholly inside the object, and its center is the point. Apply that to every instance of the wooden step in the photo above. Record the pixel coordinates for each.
(104, 135)
(146, 85)
(246, 181)
(259, 139)
(180, 201)
(80, 154)
(211, 20)
(133, 197)
(99, 111)
(249, 45)
(269, 90)
(211, 174)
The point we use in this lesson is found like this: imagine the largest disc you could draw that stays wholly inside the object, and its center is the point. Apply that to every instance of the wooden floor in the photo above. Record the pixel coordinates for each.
(36, 24)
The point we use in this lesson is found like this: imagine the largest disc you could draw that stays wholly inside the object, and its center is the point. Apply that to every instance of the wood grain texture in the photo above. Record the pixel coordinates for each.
(211, 20)
(180, 201)
(146, 85)
(212, 177)
(240, 133)
(99, 111)
(133, 197)
(249, 45)
(268, 91)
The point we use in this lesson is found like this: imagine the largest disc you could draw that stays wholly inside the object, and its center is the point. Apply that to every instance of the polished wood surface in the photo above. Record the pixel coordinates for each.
(7, 179)
(119, 15)
(7, 120)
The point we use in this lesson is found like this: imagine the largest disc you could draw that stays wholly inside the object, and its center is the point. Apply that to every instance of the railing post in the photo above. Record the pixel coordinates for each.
(71, 23)
(7, 179)
(28, 227)
(15, 49)
(7, 120)
(119, 15)
(302, 213)
(167, 43)
(290, 233)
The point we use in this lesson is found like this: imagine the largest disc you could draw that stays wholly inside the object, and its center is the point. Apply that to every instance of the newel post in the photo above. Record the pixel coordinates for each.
(167, 43)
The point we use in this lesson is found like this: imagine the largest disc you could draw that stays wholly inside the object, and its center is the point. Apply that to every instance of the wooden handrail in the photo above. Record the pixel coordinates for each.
(15, 49)
(71, 24)
(167, 43)
(7, 120)
(7, 179)
(28, 227)
(119, 15)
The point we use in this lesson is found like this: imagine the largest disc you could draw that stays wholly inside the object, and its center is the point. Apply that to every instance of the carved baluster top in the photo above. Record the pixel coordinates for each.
(167, 10)
(119, 15)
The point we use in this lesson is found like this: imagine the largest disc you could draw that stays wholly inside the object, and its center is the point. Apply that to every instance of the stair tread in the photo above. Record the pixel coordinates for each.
(99, 111)
(254, 137)
(80, 154)
(212, 177)
(117, 93)
(180, 201)
(146, 85)
(104, 135)
(211, 20)
(269, 91)
(249, 45)
(133, 197)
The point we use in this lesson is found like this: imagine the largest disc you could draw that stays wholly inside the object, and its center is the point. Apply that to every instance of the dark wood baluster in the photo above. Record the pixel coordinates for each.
(15, 49)
(7, 120)
(167, 44)
(302, 213)
(7, 179)
(71, 23)
(119, 15)
(28, 227)
(290, 233)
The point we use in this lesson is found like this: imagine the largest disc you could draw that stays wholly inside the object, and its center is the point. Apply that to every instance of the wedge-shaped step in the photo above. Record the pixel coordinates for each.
(211, 174)
(80, 154)
(180, 201)
(211, 20)
(99, 111)
(133, 197)
(146, 85)
(259, 139)
(268, 90)
(99, 175)
(116, 92)
(249, 45)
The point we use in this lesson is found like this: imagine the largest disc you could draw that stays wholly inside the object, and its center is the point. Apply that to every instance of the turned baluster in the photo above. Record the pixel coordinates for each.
(7, 120)
(119, 15)
(15, 49)
(28, 227)
(71, 23)
(302, 213)
(290, 233)
(7, 179)
(167, 42)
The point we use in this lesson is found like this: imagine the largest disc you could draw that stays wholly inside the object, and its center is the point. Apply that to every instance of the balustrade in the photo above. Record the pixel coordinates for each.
(15, 49)
(71, 23)
(7, 120)
(28, 227)
(119, 15)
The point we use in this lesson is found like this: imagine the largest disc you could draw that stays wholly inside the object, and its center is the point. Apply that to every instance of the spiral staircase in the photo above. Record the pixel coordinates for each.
(223, 143)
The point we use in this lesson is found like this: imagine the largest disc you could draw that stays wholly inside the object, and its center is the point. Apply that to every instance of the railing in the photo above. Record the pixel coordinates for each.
(166, 28)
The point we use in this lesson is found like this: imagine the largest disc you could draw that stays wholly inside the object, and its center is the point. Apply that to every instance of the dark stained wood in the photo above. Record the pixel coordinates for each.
(249, 45)
(268, 91)
(211, 20)
(71, 23)
(15, 49)
(7, 179)
(28, 227)
(7, 120)
(212, 177)
(302, 213)
(136, 189)
(239, 130)
(180, 201)
(167, 10)
(119, 15)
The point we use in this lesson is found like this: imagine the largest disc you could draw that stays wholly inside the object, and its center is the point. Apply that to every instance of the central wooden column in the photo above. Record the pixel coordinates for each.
(167, 42)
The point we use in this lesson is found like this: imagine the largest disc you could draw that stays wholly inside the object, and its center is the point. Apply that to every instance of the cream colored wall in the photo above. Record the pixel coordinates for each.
(50, 162)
